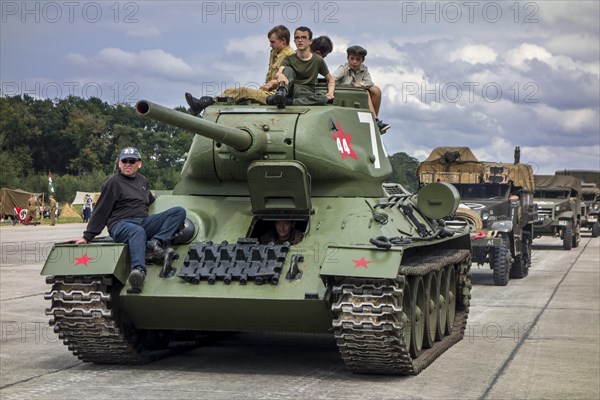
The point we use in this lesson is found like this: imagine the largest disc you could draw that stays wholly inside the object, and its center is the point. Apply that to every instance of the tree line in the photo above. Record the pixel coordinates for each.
(78, 141)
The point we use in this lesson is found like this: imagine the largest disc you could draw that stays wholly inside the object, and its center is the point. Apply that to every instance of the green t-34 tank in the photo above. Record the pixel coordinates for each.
(367, 262)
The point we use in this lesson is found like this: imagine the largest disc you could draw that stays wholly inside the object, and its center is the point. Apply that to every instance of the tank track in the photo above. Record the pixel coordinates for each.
(86, 317)
(368, 321)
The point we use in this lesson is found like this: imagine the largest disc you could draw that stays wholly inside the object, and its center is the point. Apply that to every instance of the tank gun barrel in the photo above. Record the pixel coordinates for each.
(238, 139)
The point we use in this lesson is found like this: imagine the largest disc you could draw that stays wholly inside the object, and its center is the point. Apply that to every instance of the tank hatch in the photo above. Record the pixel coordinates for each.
(279, 189)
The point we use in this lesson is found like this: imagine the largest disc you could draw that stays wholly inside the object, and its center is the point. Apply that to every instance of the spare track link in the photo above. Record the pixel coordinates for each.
(86, 319)
(368, 323)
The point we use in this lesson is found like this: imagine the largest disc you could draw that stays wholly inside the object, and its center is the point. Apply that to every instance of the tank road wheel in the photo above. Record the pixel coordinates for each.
(431, 308)
(522, 262)
(440, 329)
(568, 237)
(451, 299)
(576, 235)
(380, 325)
(500, 256)
(595, 229)
(418, 303)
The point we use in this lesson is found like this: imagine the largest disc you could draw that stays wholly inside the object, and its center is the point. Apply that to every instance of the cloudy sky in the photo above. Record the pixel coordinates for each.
(490, 75)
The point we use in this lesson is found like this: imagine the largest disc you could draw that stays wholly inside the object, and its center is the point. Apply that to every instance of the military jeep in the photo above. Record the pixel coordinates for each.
(558, 199)
(496, 203)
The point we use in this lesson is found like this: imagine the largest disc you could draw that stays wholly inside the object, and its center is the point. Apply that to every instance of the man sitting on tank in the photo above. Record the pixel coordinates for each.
(279, 40)
(283, 231)
(356, 74)
(297, 76)
(123, 207)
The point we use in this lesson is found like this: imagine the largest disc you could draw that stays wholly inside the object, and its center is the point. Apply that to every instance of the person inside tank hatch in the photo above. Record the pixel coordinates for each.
(283, 231)
(279, 40)
(123, 207)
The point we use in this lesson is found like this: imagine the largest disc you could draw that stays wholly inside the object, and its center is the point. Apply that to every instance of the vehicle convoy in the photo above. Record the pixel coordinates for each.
(376, 266)
(590, 196)
(496, 203)
(558, 199)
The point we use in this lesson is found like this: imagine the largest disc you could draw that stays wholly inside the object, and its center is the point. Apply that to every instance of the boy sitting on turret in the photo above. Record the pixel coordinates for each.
(298, 73)
(355, 74)
(279, 40)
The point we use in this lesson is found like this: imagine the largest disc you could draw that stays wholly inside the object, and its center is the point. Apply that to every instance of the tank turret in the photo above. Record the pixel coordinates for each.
(339, 147)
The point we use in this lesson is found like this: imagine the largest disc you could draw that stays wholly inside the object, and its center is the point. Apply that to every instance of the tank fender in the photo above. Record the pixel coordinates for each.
(364, 262)
(502, 226)
(89, 259)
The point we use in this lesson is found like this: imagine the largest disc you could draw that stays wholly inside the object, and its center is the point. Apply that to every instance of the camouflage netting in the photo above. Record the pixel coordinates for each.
(557, 182)
(459, 165)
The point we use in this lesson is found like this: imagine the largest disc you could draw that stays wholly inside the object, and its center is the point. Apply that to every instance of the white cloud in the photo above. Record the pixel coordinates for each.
(155, 62)
(474, 54)
(520, 56)
(249, 46)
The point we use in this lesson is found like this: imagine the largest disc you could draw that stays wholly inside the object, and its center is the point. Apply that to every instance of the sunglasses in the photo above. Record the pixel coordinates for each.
(129, 161)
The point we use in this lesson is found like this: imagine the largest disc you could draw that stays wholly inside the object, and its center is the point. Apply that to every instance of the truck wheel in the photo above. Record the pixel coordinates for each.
(500, 256)
(576, 235)
(522, 262)
(595, 229)
(568, 237)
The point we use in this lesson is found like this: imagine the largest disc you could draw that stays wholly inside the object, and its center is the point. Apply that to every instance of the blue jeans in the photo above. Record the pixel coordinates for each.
(135, 232)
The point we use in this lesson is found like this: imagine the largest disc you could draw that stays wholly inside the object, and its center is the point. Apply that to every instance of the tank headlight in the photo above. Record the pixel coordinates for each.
(485, 215)
(186, 234)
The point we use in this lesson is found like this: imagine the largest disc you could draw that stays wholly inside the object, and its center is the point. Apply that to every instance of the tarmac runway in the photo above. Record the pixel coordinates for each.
(537, 338)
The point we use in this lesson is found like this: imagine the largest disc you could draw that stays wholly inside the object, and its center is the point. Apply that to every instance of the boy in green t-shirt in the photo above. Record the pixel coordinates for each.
(298, 75)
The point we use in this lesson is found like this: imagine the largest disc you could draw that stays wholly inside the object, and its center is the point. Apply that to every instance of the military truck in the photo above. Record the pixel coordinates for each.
(375, 266)
(590, 207)
(590, 195)
(497, 204)
(558, 199)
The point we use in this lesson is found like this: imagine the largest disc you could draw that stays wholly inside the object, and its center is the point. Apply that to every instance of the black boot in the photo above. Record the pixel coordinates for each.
(197, 105)
(136, 280)
(279, 99)
(155, 250)
(383, 127)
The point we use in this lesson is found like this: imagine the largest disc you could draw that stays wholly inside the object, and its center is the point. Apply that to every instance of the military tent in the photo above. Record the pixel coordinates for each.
(11, 198)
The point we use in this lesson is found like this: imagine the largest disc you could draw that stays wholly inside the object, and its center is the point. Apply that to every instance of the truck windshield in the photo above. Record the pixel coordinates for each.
(552, 194)
(481, 191)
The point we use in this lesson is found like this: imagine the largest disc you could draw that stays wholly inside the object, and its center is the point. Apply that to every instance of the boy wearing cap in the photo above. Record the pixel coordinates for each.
(123, 208)
(355, 74)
